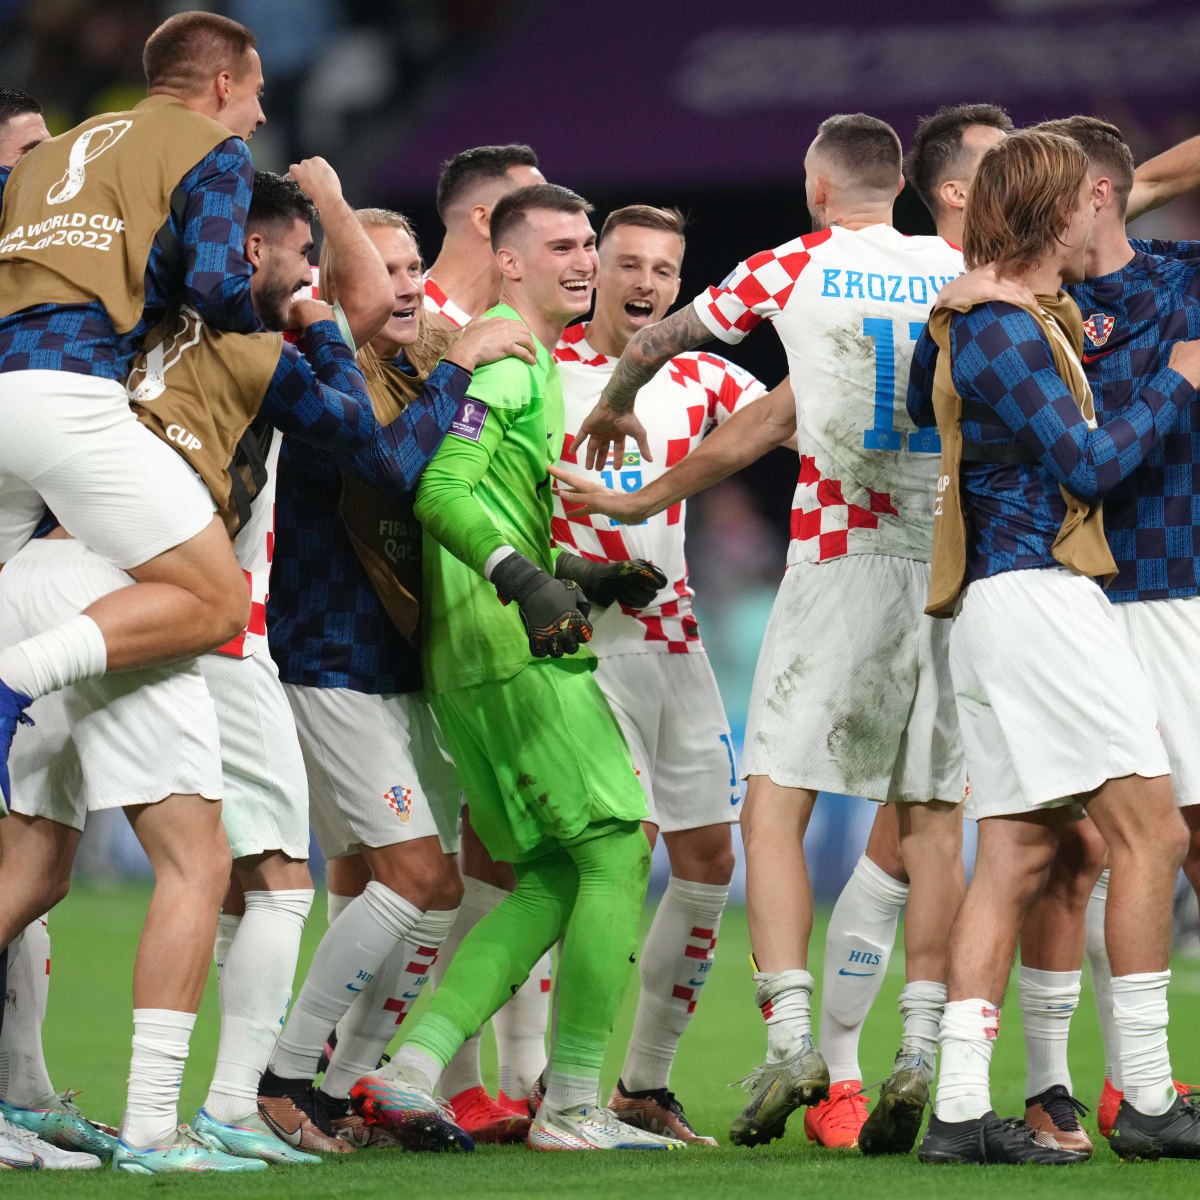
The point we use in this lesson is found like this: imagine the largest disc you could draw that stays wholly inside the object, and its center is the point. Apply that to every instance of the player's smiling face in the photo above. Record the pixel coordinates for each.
(242, 113)
(403, 261)
(639, 278)
(554, 257)
(281, 268)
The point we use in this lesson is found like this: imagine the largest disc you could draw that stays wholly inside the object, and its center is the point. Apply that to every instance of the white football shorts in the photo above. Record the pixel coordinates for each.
(1052, 700)
(266, 791)
(670, 711)
(133, 737)
(378, 770)
(1165, 637)
(852, 691)
(73, 442)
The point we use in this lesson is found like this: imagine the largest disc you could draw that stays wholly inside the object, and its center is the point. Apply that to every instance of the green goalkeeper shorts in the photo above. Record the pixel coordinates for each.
(541, 758)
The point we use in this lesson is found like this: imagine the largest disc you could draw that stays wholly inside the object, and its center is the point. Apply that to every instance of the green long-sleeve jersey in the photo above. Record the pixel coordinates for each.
(486, 487)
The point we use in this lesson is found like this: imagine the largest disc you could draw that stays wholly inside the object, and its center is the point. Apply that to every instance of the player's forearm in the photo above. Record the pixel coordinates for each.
(648, 350)
(1160, 179)
(361, 279)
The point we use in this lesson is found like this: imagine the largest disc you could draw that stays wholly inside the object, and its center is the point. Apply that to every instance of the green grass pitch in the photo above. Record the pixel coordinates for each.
(94, 934)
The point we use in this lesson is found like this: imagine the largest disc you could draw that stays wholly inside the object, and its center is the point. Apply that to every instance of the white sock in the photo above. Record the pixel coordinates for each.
(463, 1071)
(858, 946)
(565, 1092)
(922, 1003)
(520, 1029)
(1097, 956)
(256, 986)
(335, 905)
(785, 998)
(376, 1014)
(1048, 1001)
(414, 1066)
(24, 1080)
(227, 927)
(969, 1028)
(351, 952)
(674, 965)
(66, 654)
(160, 1050)
(1140, 1011)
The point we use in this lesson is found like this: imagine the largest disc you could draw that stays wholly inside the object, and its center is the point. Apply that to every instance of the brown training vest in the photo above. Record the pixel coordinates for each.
(1080, 544)
(81, 210)
(382, 527)
(200, 391)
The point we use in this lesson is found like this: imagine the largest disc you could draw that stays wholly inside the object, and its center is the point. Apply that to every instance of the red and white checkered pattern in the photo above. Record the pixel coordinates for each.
(437, 302)
(689, 396)
(819, 292)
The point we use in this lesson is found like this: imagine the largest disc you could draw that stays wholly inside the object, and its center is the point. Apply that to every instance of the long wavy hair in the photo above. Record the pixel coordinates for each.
(432, 342)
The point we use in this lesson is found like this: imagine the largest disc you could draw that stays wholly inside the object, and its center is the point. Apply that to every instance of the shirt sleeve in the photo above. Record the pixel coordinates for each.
(399, 453)
(1002, 358)
(216, 274)
(318, 393)
(919, 400)
(1185, 250)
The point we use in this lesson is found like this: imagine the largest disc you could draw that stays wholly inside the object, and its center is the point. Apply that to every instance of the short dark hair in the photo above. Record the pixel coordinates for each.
(644, 216)
(480, 162)
(16, 103)
(937, 145)
(865, 146)
(1105, 146)
(277, 198)
(510, 210)
(188, 49)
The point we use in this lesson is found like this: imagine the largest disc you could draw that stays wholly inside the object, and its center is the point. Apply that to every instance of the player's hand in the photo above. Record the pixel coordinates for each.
(980, 285)
(304, 313)
(488, 339)
(553, 611)
(634, 582)
(318, 181)
(606, 430)
(586, 496)
(1185, 358)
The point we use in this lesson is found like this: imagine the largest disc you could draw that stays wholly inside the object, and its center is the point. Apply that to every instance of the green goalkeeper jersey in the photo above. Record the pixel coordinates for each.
(486, 487)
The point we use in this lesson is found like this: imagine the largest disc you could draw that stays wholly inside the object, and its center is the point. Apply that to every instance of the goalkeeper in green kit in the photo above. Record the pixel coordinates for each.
(546, 770)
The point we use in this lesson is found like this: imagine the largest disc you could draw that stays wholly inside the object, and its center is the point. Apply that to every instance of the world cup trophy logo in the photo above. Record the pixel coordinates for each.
(147, 380)
(88, 146)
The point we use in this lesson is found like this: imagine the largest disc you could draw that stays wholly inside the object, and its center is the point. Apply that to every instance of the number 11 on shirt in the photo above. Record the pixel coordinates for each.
(884, 435)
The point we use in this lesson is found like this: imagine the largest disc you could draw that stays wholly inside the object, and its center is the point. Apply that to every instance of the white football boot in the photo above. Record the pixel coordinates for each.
(24, 1151)
(591, 1128)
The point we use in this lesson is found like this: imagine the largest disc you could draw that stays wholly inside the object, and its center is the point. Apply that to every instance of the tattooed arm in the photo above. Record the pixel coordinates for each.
(613, 420)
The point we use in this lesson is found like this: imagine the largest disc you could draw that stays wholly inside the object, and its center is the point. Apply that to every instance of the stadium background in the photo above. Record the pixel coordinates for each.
(690, 102)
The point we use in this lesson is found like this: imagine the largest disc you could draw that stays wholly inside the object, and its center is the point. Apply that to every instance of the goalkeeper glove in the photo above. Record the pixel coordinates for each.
(634, 582)
(554, 611)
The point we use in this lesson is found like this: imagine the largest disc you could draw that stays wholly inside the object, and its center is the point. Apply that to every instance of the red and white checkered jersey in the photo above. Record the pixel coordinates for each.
(689, 396)
(436, 301)
(254, 545)
(848, 306)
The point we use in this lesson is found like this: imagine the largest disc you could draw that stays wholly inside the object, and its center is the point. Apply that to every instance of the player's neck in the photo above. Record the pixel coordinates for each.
(950, 225)
(604, 339)
(547, 330)
(1042, 279)
(862, 217)
(1108, 249)
(468, 277)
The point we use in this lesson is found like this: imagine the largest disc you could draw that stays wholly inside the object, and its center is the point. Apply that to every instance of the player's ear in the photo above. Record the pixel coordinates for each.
(900, 188)
(254, 249)
(1102, 190)
(509, 263)
(678, 285)
(952, 193)
(481, 219)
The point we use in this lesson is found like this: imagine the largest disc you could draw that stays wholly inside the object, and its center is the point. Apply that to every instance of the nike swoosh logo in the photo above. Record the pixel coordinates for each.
(292, 1138)
(351, 988)
(410, 996)
(1091, 358)
(861, 974)
(697, 982)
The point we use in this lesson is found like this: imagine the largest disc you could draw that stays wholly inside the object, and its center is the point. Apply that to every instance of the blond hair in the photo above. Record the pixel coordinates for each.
(432, 342)
(1021, 199)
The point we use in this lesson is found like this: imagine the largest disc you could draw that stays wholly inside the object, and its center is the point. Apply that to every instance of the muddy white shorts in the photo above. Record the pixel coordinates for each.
(852, 691)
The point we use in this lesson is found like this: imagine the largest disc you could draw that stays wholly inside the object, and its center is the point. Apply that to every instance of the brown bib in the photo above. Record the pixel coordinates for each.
(381, 525)
(1080, 543)
(199, 390)
(81, 210)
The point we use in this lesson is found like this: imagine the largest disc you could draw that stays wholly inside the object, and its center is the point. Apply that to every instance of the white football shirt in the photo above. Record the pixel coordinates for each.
(692, 394)
(848, 306)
